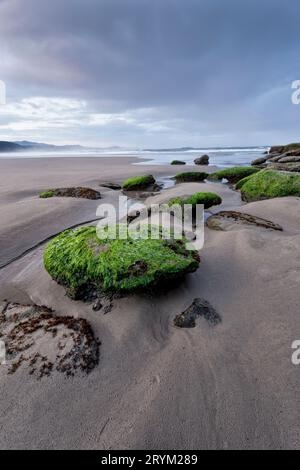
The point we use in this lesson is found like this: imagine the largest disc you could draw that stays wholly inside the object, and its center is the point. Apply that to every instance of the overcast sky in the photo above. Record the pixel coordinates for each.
(150, 73)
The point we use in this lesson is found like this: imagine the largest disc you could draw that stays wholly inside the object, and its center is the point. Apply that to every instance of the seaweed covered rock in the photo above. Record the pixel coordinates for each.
(77, 192)
(82, 262)
(177, 162)
(269, 184)
(204, 160)
(235, 174)
(207, 199)
(41, 342)
(138, 183)
(190, 177)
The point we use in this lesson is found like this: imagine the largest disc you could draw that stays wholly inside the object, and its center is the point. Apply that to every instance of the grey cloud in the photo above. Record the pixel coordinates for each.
(210, 63)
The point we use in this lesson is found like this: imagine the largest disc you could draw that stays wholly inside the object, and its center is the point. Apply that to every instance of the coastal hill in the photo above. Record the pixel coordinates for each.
(24, 146)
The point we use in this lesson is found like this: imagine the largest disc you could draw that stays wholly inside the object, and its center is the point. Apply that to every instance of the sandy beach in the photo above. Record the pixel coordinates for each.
(229, 386)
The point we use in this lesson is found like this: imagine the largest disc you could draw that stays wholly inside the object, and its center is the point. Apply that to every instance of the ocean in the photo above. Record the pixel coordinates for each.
(221, 157)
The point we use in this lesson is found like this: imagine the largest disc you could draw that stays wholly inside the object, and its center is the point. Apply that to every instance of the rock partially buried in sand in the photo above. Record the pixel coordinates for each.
(177, 162)
(206, 199)
(233, 175)
(42, 342)
(190, 177)
(226, 220)
(199, 308)
(204, 160)
(77, 192)
(268, 184)
(140, 183)
(81, 262)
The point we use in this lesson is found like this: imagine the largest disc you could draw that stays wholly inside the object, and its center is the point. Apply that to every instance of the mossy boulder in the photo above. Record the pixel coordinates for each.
(269, 184)
(207, 199)
(242, 182)
(191, 177)
(81, 262)
(139, 183)
(235, 174)
(77, 192)
(177, 162)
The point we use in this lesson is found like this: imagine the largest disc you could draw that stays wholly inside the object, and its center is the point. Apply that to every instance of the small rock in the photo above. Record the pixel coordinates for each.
(109, 185)
(198, 308)
(204, 160)
(97, 305)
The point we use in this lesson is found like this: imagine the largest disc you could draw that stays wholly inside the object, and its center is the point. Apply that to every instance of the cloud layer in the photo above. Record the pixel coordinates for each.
(159, 73)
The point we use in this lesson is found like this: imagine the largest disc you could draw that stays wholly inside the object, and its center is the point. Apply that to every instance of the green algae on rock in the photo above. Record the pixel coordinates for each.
(190, 177)
(235, 174)
(46, 194)
(81, 262)
(207, 199)
(268, 184)
(178, 162)
(138, 182)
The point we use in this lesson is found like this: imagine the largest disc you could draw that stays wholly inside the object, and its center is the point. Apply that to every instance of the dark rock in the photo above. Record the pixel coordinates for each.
(225, 220)
(109, 185)
(295, 153)
(276, 149)
(198, 308)
(97, 305)
(204, 160)
(85, 193)
(177, 162)
(291, 148)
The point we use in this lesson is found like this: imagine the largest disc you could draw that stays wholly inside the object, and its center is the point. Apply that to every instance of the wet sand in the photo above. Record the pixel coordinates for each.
(231, 386)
